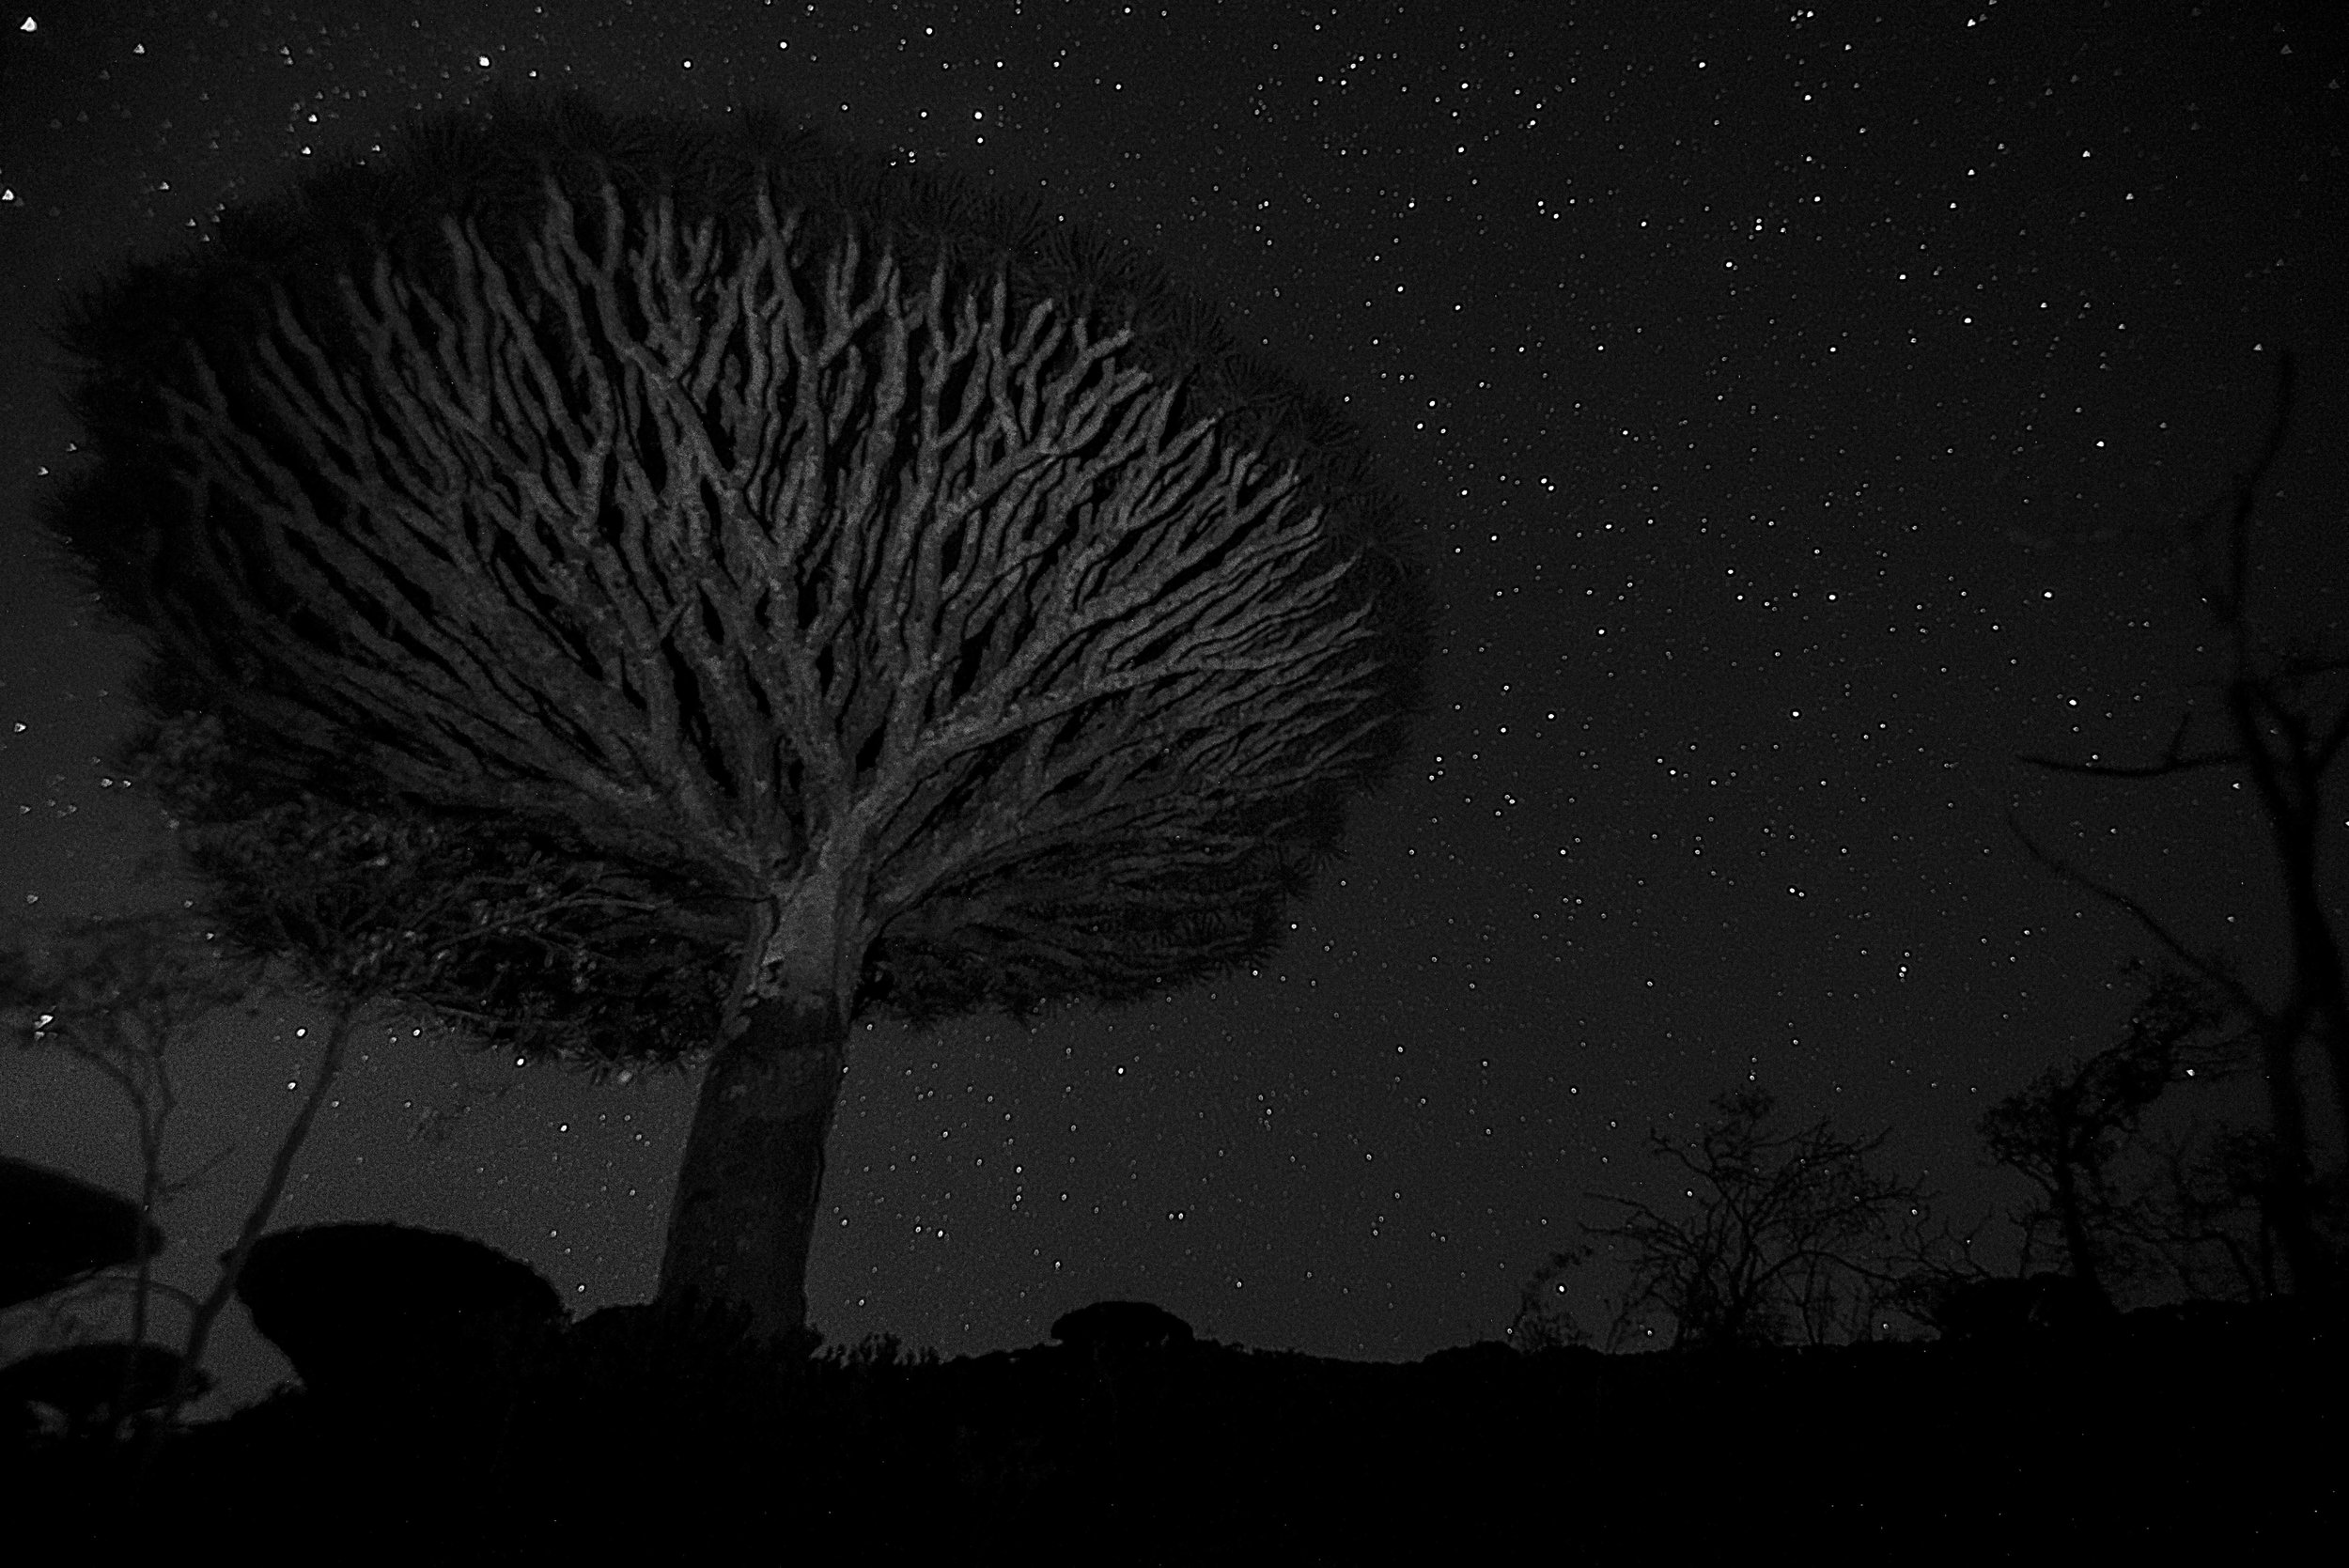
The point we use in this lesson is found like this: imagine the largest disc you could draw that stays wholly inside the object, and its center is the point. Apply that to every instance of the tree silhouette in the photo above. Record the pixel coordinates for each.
(2065, 1130)
(118, 993)
(2209, 1212)
(808, 590)
(1784, 1237)
(2285, 741)
(59, 1232)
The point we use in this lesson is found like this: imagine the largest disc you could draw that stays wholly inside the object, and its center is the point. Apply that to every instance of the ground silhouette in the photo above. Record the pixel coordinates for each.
(1133, 1440)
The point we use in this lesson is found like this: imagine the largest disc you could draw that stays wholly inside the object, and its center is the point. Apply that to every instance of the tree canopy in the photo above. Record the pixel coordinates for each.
(472, 465)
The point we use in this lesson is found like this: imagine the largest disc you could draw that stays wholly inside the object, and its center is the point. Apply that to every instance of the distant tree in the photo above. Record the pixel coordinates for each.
(2067, 1130)
(117, 995)
(852, 594)
(1987, 1308)
(1121, 1325)
(121, 992)
(1546, 1317)
(2285, 741)
(1784, 1237)
(2208, 1213)
(58, 1234)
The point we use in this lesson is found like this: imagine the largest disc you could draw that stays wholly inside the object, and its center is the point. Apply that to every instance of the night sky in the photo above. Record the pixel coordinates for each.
(1748, 366)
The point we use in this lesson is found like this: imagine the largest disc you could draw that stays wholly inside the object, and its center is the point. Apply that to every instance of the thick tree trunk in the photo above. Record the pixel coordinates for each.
(752, 1178)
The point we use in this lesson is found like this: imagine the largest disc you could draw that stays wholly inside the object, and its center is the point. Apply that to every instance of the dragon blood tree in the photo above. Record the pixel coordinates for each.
(668, 589)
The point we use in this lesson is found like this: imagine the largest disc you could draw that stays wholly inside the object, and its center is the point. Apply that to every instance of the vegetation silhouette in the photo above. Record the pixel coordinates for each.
(2080, 1134)
(2284, 738)
(442, 1400)
(1789, 1237)
(766, 587)
(658, 1428)
(62, 1233)
(364, 1310)
(1998, 1309)
(120, 994)
(62, 1230)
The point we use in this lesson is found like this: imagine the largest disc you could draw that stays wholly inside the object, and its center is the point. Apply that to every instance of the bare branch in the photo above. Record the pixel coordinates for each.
(1176, 605)
(2173, 759)
(2217, 974)
(2224, 591)
(1785, 1234)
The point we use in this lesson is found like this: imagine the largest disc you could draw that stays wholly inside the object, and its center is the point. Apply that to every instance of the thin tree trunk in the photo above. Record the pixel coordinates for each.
(151, 1197)
(2290, 793)
(2332, 1014)
(2074, 1223)
(256, 1221)
(2289, 1171)
(2317, 971)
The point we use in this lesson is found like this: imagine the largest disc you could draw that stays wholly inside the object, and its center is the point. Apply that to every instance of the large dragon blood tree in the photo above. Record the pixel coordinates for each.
(657, 590)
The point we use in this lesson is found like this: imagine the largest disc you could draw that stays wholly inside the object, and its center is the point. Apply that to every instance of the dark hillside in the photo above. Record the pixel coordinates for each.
(2216, 1425)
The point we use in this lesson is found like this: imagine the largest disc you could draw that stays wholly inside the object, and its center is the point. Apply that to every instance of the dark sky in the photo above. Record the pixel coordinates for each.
(1738, 360)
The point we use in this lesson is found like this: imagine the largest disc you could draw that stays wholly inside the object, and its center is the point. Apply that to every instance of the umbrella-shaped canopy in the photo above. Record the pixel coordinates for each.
(54, 1227)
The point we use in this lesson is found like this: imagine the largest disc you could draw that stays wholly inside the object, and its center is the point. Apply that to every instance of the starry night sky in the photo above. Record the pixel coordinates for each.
(1750, 367)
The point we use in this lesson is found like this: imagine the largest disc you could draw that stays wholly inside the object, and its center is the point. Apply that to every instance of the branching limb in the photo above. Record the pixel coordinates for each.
(2174, 759)
(2217, 973)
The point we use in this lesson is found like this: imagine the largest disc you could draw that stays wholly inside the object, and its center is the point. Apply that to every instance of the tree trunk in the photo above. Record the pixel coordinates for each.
(2289, 1172)
(752, 1181)
(2316, 966)
(2289, 792)
(2070, 1214)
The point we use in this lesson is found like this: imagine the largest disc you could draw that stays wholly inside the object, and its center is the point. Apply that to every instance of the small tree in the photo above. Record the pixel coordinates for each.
(2069, 1128)
(2208, 1212)
(1545, 1319)
(118, 994)
(1785, 1236)
(121, 992)
(60, 1237)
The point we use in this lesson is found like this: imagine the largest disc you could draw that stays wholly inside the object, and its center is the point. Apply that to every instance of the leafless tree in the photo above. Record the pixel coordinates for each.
(120, 992)
(1546, 1317)
(1783, 1236)
(2067, 1129)
(2285, 739)
(852, 597)
(2208, 1212)
(119, 995)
